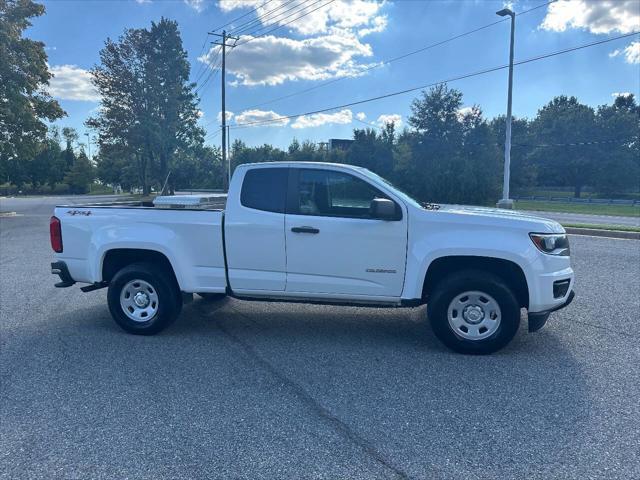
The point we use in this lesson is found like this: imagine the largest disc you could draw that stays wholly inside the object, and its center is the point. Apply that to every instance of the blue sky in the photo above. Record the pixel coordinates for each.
(344, 38)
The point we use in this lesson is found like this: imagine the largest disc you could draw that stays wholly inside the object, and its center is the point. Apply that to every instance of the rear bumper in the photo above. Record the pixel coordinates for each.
(60, 269)
(538, 320)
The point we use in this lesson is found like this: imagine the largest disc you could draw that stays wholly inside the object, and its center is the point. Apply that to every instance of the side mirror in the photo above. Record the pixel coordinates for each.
(383, 209)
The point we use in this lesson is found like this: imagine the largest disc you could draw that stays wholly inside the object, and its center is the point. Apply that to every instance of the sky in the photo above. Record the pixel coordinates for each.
(296, 45)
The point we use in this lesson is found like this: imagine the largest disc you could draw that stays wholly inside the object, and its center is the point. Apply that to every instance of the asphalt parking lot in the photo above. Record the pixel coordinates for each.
(268, 390)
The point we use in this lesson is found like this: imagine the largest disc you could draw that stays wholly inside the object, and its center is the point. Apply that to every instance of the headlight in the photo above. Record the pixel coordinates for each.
(551, 243)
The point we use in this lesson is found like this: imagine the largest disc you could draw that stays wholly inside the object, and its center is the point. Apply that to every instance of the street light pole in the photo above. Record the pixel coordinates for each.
(88, 145)
(505, 201)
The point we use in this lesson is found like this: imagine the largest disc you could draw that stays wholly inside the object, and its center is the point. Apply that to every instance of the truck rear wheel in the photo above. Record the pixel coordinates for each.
(143, 299)
(474, 312)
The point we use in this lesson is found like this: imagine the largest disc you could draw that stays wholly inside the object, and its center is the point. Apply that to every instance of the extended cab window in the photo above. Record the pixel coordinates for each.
(334, 194)
(265, 189)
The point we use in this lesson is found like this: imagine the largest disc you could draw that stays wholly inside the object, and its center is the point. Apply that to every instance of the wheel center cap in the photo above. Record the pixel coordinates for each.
(141, 299)
(473, 314)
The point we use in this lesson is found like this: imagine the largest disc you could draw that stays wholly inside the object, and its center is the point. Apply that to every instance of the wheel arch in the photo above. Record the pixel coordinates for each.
(507, 270)
(116, 259)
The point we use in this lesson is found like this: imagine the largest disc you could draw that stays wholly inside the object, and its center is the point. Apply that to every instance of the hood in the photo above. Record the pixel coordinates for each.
(500, 218)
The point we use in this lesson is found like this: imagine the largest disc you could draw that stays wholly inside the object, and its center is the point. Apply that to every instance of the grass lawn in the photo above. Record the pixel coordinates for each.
(587, 208)
(619, 228)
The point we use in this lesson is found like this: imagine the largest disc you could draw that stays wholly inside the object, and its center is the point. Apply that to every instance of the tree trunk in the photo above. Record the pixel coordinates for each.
(577, 191)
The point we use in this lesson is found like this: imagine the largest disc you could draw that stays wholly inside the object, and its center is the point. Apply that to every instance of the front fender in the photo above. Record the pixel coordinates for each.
(513, 246)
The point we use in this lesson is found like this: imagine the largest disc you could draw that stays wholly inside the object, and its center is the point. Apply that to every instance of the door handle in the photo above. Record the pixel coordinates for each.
(305, 230)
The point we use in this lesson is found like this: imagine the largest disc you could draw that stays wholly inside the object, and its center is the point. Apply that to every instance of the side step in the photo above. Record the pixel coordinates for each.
(94, 286)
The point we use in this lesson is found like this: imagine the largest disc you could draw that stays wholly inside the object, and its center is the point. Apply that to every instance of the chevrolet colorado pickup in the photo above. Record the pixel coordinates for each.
(319, 232)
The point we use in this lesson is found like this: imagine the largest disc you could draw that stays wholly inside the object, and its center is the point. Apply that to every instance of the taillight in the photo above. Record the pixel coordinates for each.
(55, 231)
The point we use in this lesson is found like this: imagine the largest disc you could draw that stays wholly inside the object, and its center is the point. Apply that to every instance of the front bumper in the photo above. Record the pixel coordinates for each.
(60, 269)
(538, 320)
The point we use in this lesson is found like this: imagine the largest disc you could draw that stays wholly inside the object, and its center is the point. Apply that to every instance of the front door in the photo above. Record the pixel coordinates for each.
(333, 244)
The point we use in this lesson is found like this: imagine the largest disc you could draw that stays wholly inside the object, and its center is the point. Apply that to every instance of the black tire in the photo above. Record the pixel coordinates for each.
(469, 281)
(164, 288)
(212, 297)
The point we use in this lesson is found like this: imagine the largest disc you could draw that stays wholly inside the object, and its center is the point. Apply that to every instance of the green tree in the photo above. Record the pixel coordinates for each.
(618, 150)
(148, 106)
(564, 121)
(115, 165)
(70, 137)
(373, 150)
(241, 154)
(198, 167)
(448, 157)
(24, 102)
(81, 174)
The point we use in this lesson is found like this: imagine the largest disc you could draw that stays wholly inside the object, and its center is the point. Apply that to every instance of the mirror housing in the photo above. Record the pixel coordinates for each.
(383, 209)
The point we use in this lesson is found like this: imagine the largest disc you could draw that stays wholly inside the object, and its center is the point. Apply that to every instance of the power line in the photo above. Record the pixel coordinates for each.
(264, 17)
(290, 21)
(215, 68)
(213, 65)
(254, 9)
(394, 59)
(372, 125)
(201, 68)
(460, 77)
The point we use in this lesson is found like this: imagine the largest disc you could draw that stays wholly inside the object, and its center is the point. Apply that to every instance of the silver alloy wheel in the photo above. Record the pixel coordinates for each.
(139, 300)
(474, 315)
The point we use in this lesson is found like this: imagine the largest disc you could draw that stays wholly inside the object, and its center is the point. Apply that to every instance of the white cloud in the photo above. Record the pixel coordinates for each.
(197, 5)
(317, 119)
(71, 82)
(394, 118)
(354, 15)
(632, 53)
(228, 114)
(621, 94)
(250, 116)
(143, 1)
(596, 16)
(333, 49)
(464, 111)
(379, 24)
(273, 60)
(361, 116)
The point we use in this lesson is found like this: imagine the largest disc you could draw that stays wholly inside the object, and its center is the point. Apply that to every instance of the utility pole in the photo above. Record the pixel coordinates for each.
(228, 156)
(224, 45)
(505, 201)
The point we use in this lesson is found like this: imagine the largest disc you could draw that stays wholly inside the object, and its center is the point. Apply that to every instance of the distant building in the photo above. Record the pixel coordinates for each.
(339, 143)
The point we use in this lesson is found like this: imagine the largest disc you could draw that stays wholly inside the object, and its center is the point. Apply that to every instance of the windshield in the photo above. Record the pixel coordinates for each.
(405, 196)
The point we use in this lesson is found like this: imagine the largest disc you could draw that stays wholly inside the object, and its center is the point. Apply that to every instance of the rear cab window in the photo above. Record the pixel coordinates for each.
(265, 189)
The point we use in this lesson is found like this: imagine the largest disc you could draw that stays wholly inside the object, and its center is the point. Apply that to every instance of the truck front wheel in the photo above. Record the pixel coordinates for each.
(143, 299)
(474, 312)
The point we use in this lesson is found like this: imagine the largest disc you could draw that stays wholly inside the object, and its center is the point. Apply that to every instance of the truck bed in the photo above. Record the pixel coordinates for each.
(190, 239)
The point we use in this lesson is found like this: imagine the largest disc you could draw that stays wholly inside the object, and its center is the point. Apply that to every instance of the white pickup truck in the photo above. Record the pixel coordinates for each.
(320, 232)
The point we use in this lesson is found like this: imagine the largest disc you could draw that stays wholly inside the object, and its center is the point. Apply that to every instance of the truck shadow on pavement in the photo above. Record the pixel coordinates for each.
(376, 379)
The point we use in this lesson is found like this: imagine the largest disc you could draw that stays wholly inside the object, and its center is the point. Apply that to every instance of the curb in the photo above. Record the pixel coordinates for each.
(603, 233)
